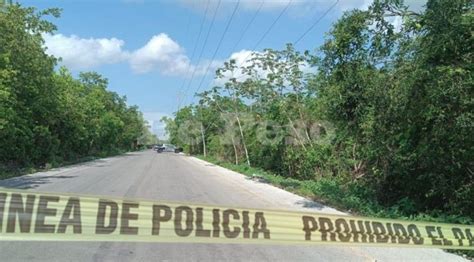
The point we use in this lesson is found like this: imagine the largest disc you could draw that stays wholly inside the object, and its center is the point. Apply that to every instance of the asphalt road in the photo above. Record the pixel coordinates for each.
(170, 176)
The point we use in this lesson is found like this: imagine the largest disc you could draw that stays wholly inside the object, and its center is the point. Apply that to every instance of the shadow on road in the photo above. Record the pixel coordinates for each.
(30, 181)
(103, 162)
(310, 204)
(35, 180)
(303, 203)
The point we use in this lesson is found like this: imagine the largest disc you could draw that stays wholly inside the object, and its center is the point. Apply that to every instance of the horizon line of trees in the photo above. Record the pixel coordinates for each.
(47, 115)
(393, 108)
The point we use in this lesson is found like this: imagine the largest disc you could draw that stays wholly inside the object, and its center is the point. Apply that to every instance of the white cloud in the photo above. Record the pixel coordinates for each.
(242, 59)
(82, 53)
(397, 22)
(161, 53)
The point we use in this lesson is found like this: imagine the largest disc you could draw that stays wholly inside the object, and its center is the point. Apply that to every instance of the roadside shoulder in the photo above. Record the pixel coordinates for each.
(265, 189)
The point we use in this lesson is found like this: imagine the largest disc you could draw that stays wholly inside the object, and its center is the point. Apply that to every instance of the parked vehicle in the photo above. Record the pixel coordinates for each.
(160, 148)
(178, 150)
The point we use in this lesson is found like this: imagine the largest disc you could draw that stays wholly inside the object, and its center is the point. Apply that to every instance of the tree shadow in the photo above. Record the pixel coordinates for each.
(285, 185)
(259, 179)
(310, 204)
(100, 162)
(31, 181)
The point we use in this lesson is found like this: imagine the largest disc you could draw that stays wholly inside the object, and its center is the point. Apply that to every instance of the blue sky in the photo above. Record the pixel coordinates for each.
(145, 47)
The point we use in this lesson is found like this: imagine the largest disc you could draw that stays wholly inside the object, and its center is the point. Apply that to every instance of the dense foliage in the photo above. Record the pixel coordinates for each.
(48, 116)
(385, 111)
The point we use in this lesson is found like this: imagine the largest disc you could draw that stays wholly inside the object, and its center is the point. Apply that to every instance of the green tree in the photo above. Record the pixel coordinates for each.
(49, 116)
(388, 111)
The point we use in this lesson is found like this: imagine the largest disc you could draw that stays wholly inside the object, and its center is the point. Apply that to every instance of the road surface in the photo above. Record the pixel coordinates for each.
(170, 176)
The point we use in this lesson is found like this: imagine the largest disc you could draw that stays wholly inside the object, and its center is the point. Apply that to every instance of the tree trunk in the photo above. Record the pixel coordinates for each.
(235, 152)
(302, 118)
(243, 140)
(297, 134)
(203, 140)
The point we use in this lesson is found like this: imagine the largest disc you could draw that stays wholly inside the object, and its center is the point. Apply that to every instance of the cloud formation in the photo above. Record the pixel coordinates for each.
(243, 59)
(160, 53)
(82, 53)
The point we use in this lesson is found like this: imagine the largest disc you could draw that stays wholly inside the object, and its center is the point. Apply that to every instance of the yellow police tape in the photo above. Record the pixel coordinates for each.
(27, 216)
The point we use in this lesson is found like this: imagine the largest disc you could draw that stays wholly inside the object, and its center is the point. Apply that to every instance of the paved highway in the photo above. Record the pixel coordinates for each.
(170, 176)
